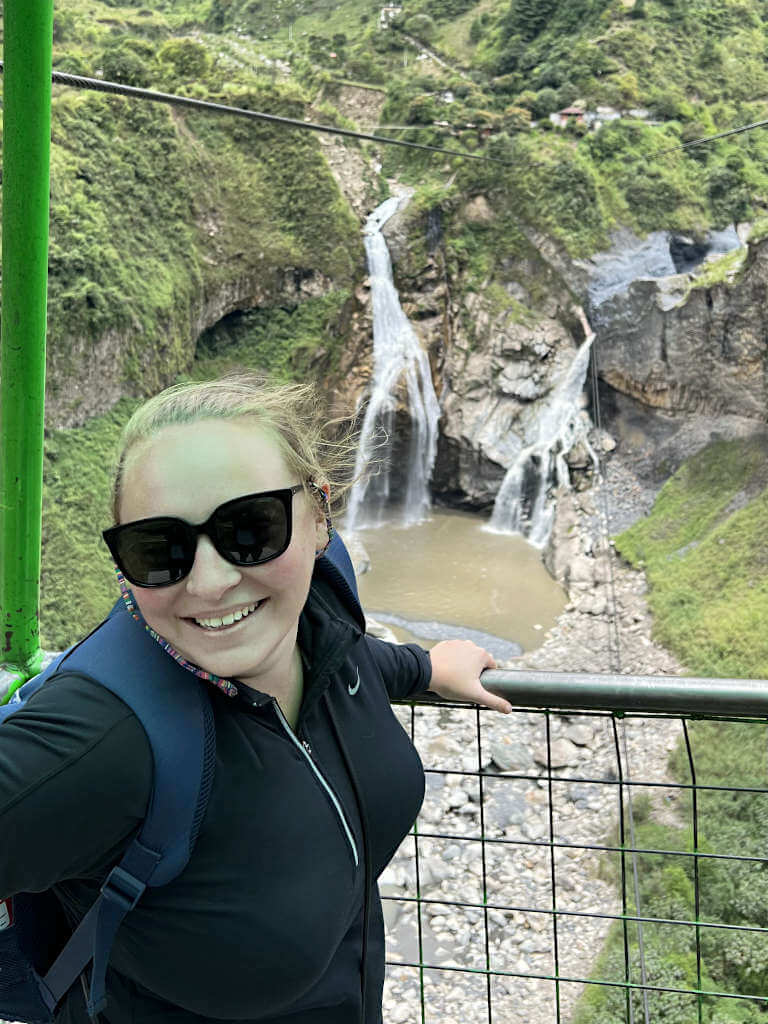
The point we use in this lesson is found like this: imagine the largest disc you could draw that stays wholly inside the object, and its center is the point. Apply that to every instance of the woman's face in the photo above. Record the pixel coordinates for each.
(188, 471)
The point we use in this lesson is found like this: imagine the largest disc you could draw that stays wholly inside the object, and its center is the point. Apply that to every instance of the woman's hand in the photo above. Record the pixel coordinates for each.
(456, 668)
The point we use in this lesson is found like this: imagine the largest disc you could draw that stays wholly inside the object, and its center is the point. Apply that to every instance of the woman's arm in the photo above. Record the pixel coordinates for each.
(451, 669)
(75, 778)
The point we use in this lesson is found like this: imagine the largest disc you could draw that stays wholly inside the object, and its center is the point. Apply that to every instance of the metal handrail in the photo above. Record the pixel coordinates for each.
(592, 691)
(627, 693)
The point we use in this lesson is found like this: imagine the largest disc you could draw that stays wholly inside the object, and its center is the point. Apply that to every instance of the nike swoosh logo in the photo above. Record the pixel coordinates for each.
(353, 689)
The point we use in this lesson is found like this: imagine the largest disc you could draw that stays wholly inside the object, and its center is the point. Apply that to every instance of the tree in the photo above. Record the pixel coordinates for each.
(528, 18)
(421, 26)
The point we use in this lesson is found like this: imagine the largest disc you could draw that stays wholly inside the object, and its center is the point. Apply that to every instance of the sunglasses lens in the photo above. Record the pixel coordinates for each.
(155, 554)
(245, 532)
(253, 531)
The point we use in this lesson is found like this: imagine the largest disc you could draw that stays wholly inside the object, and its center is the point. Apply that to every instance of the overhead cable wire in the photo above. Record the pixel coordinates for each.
(117, 88)
(714, 138)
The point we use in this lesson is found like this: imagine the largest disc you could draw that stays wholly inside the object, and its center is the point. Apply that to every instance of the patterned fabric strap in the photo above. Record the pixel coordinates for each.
(226, 685)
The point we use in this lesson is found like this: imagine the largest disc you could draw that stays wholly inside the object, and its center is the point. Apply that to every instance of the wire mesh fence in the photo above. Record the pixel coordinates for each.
(582, 866)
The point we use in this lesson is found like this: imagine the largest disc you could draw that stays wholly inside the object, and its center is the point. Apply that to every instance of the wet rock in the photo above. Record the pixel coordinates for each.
(391, 908)
(592, 603)
(689, 349)
(581, 572)
(478, 211)
(506, 809)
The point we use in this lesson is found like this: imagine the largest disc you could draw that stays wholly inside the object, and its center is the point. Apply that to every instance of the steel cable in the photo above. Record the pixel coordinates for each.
(118, 89)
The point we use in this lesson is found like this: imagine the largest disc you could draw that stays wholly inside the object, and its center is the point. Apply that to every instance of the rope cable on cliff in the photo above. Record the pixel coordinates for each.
(614, 654)
(117, 88)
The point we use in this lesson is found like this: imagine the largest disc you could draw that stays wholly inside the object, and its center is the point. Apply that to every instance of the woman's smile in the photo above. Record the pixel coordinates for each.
(215, 622)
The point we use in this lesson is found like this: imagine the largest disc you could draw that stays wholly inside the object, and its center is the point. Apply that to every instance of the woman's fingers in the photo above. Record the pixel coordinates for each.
(492, 701)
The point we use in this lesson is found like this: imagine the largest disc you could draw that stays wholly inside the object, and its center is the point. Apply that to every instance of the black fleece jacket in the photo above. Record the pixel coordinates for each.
(265, 924)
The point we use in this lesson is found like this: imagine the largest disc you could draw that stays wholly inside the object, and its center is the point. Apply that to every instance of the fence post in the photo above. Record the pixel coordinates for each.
(27, 58)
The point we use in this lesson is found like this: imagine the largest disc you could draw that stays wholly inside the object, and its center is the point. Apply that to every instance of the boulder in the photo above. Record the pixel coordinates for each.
(563, 754)
(478, 211)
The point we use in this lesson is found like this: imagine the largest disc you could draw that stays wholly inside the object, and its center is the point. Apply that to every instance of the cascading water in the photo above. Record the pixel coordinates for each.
(522, 504)
(397, 357)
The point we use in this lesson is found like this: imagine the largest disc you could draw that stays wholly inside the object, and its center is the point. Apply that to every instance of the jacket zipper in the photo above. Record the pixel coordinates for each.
(306, 753)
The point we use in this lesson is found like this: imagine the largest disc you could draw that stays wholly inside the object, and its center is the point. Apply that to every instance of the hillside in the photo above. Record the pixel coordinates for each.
(672, 70)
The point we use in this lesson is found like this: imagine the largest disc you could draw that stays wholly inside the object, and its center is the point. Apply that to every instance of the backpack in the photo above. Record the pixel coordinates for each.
(40, 956)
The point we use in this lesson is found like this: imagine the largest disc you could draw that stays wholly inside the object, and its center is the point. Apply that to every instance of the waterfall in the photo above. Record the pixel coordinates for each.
(522, 504)
(397, 357)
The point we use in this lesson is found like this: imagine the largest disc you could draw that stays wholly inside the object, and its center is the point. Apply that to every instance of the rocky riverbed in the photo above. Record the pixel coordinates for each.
(493, 782)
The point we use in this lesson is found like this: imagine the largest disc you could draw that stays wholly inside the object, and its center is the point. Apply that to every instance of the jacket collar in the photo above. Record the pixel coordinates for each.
(329, 625)
(328, 628)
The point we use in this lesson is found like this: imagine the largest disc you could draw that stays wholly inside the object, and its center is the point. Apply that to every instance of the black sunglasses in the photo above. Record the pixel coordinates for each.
(249, 530)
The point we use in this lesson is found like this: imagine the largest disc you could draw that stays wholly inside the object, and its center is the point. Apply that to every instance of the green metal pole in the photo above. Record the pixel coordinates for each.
(26, 182)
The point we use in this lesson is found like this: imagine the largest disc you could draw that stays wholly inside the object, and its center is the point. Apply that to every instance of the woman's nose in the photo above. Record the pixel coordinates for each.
(210, 573)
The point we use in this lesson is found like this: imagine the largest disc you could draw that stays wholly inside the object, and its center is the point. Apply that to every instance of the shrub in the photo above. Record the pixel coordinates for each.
(121, 63)
(421, 26)
(422, 110)
(544, 103)
(185, 58)
(516, 119)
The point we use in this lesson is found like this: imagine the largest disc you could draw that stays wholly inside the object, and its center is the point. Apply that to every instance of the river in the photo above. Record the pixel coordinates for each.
(448, 570)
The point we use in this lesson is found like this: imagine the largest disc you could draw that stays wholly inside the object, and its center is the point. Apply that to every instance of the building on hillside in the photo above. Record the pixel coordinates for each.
(561, 118)
(388, 13)
(605, 114)
(594, 119)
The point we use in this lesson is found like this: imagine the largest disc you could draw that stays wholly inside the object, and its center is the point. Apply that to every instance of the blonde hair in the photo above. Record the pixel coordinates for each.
(289, 412)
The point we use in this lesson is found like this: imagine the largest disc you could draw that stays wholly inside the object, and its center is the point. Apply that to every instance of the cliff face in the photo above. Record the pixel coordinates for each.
(691, 347)
(188, 221)
(497, 346)
(86, 377)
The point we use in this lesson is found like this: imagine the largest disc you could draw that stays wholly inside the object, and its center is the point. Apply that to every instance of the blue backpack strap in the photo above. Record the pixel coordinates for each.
(336, 566)
(174, 708)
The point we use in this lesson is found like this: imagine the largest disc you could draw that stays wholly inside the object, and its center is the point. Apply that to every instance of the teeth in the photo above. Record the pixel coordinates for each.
(227, 620)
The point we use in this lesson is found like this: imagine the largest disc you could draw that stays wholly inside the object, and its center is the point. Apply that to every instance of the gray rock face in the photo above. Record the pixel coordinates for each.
(690, 349)
(84, 377)
(494, 374)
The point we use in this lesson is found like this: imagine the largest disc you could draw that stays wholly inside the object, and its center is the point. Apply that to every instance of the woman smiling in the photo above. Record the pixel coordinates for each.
(221, 518)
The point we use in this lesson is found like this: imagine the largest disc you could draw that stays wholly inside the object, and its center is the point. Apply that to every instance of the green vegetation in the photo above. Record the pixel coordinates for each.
(703, 550)
(283, 343)
(723, 754)
(153, 208)
(77, 582)
(724, 268)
